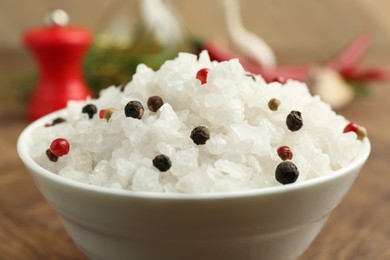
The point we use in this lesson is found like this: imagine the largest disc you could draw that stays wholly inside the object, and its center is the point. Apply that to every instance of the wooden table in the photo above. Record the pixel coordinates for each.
(357, 229)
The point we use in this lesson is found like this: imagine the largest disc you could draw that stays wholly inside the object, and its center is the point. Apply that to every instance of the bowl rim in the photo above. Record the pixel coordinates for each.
(24, 138)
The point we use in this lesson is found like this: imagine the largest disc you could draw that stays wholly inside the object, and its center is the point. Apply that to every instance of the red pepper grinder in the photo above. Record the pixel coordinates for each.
(59, 51)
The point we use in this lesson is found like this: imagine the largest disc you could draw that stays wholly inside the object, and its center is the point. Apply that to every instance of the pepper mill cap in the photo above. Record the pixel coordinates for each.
(56, 33)
(57, 17)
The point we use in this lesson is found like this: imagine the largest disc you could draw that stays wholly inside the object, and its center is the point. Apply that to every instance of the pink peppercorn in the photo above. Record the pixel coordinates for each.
(202, 75)
(285, 153)
(59, 147)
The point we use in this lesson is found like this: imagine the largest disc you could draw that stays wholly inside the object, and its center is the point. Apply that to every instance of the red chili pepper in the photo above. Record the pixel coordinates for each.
(298, 72)
(365, 75)
(346, 63)
(219, 53)
(349, 56)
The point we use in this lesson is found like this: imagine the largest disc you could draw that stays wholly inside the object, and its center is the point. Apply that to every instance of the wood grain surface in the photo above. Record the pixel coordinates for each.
(357, 229)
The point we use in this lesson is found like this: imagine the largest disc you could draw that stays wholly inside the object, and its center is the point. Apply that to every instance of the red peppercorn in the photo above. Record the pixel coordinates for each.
(59, 147)
(285, 153)
(351, 127)
(101, 113)
(106, 113)
(202, 75)
(360, 131)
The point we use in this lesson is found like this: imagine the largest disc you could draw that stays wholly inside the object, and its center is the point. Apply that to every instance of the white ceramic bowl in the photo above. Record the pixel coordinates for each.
(269, 223)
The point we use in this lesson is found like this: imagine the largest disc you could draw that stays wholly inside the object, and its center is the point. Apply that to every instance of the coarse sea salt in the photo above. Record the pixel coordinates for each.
(245, 133)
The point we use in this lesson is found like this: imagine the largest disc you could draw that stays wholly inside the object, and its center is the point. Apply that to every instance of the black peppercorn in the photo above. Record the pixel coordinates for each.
(57, 120)
(52, 157)
(251, 75)
(134, 109)
(162, 162)
(294, 120)
(286, 172)
(90, 109)
(200, 135)
(154, 103)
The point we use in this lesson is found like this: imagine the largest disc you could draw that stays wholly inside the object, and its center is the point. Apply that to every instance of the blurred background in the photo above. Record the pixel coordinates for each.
(298, 31)
(299, 26)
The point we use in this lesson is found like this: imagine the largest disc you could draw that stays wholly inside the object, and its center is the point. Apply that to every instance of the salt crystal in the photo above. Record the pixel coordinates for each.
(233, 170)
(168, 117)
(185, 160)
(217, 144)
(146, 179)
(71, 173)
